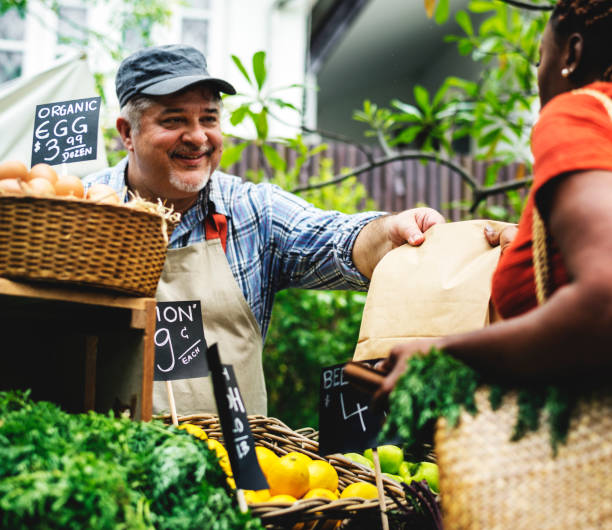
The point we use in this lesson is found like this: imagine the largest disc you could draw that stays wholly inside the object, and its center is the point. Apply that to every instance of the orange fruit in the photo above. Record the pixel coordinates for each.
(322, 475)
(320, 493)
(288, 475)
(363, 490)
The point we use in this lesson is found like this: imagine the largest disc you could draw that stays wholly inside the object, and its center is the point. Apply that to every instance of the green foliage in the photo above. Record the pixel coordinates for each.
(438, 385)
(309, 330)
(60, 470)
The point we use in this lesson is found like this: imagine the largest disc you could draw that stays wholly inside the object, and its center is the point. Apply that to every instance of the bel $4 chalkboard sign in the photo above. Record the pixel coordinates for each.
(180, 347)
(66, 131)
(235, 424)
(347, 422)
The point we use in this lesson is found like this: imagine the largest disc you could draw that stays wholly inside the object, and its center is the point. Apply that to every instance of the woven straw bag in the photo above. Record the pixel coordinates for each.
(489, 482)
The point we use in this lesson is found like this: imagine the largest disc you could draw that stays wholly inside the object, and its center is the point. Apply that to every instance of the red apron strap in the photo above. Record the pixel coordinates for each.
(215, 227)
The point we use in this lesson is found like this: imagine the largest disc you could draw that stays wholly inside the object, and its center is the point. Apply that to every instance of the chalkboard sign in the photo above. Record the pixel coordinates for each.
(66, 131)
(347, 423)
(179, 341)
(235, 425)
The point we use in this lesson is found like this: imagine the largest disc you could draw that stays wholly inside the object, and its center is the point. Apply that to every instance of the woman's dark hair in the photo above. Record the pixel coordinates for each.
(593, 20)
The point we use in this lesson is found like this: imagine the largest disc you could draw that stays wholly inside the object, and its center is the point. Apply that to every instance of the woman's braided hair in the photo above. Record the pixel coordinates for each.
(593, 20)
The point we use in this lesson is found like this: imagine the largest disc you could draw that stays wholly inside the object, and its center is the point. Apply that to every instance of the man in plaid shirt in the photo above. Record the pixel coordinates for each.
(268, 239)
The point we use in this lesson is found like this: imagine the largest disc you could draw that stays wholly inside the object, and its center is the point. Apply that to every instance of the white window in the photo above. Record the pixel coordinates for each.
(12, 45)
(195, 24)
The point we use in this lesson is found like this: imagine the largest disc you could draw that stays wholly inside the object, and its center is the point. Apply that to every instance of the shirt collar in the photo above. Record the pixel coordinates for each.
(118, 177)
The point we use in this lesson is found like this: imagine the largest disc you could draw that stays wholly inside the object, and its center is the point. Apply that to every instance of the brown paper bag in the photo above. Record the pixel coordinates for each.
(439, 288)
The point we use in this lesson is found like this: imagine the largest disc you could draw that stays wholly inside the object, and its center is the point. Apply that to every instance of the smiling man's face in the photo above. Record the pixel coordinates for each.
(177, 146)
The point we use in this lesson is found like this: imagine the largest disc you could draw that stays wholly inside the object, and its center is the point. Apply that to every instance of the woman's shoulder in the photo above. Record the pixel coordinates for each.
(574, 103)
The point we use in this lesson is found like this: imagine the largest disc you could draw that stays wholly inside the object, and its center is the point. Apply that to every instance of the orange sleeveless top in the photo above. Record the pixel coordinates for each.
(573, 133)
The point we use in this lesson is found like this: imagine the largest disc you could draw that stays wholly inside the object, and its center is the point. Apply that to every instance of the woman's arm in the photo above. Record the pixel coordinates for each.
(571, 334)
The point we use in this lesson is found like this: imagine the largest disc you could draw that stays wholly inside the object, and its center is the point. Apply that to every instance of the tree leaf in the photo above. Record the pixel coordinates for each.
(276, 161)
(464, 21)
(239, 114)
(232, 154)
(259, 68)
(442, 11)
(241, 67)
(421, 96)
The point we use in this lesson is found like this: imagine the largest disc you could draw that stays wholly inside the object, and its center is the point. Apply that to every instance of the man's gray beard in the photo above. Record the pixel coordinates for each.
(181, 185)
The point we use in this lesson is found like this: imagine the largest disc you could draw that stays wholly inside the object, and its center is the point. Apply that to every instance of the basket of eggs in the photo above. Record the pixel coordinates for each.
(307, 491)
(51, 231)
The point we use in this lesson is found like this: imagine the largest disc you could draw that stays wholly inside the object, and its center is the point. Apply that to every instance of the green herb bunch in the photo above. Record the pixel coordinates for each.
(60, 470)
(438, 385)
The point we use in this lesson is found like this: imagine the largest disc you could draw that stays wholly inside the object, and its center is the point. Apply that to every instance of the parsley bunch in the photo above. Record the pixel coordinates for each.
(438, 385)
(60, 470)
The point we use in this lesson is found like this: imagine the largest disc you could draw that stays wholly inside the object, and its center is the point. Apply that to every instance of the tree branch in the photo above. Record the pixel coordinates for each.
(528, 5)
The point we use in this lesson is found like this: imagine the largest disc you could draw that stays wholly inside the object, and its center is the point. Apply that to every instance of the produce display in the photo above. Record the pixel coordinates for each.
(291, 477)
(60, 470)
(394, 466)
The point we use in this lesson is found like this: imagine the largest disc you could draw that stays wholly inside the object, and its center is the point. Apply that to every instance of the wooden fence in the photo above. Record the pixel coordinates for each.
(397, 185)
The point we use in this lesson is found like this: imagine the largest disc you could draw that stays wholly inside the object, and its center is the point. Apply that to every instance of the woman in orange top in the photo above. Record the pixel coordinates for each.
(571, 334)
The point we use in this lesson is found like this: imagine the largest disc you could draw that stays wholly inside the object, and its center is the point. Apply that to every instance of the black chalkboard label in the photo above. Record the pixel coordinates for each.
(347, 423)
(66, 131)
(235, 425)
(179, 341)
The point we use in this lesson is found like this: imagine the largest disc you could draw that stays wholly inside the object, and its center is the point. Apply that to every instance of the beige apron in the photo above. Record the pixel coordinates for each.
(201, 272)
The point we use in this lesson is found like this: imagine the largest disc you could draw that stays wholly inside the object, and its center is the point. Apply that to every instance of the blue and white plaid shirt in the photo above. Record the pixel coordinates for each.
(275, 240)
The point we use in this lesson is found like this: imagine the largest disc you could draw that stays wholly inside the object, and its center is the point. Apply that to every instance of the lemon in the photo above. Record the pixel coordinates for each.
(266, 457)
(301, 456)
(255, 496)
(363, 490)
(320, 493)
(322, 475)
(284, 498)
(288, 475)
(221, 452)
(194, 430)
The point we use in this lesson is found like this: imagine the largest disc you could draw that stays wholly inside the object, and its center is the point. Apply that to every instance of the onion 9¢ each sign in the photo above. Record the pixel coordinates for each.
(180, 347)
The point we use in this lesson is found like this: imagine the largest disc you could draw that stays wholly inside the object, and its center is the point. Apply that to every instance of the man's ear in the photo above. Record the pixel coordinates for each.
(575, 48)
(125, 130)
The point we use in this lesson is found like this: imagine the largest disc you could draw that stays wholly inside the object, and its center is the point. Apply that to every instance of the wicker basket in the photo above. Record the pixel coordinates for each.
(488, 482)
(275, 435)
(81, 242)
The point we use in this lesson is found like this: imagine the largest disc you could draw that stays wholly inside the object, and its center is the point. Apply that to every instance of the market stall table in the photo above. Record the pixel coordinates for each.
(83, 349)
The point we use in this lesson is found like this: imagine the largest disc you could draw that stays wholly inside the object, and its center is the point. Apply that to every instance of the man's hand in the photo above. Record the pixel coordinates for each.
(388, 232)
(408, 226)
(503, 238)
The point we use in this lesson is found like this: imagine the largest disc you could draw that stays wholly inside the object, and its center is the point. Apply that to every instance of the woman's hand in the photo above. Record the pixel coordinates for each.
(395, 365)
(503, 237)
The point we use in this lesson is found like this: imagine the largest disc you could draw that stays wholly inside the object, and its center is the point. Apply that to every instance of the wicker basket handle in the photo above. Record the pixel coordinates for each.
(541, 240)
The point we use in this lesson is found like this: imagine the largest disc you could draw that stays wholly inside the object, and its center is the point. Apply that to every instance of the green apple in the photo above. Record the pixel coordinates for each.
(428, 471)
(397, 478)
(405, 471)
(391, 457)
(360, 459)
(369, 455)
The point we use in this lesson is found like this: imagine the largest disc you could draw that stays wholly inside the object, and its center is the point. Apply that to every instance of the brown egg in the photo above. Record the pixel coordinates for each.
(69, 186)
(44, 171)
(13, 169)
(102, 193)
(11, 187)
(40, 186)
